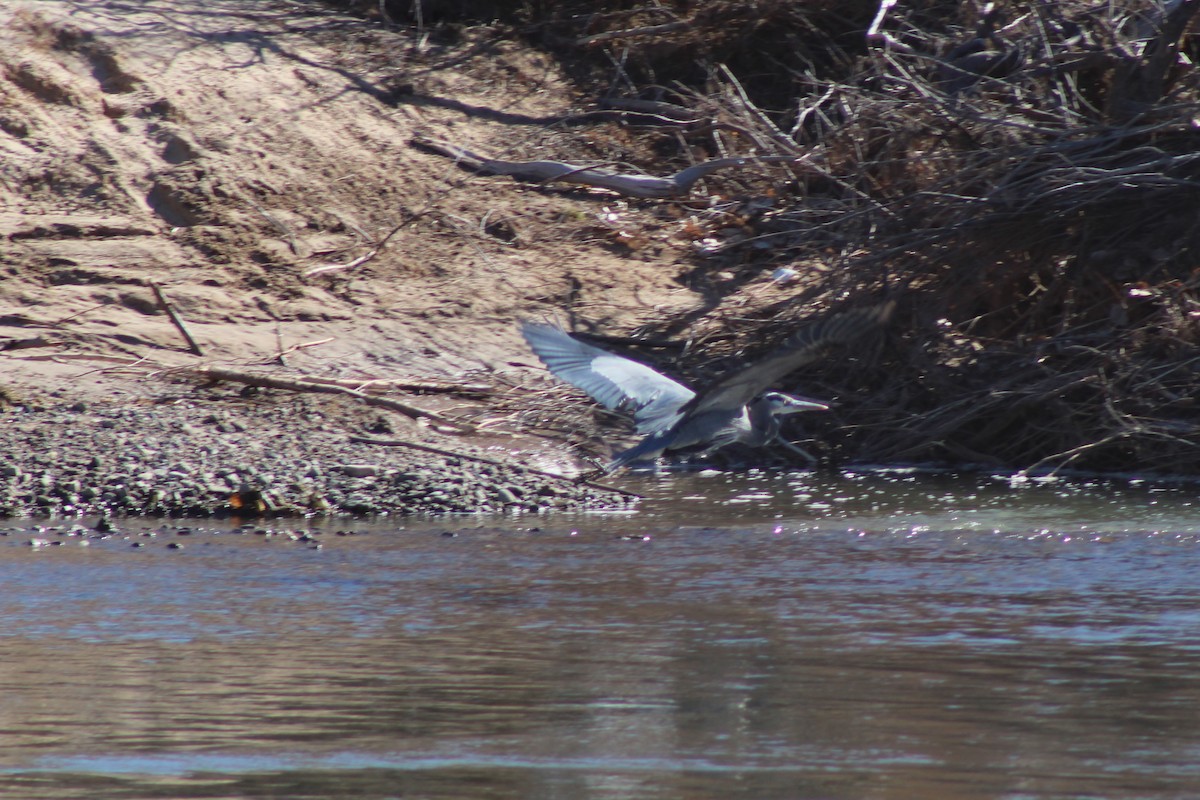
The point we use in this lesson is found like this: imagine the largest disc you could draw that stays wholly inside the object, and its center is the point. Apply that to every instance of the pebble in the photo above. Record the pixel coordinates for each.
(181, 459)
(359, 470)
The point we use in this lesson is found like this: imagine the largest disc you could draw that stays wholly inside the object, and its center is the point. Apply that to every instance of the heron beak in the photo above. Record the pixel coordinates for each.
(798, 404)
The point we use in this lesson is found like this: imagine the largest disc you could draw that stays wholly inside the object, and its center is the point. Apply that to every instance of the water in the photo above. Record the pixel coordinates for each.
(865, 635)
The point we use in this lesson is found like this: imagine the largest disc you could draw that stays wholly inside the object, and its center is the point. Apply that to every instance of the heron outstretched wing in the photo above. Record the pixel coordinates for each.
(803, 347)
(613, 381)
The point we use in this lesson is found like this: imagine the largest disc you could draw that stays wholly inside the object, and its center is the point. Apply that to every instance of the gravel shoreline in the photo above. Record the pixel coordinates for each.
(269, 456)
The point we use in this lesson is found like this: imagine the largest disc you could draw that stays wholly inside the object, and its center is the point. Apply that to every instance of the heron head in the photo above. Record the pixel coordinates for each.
(779, 403)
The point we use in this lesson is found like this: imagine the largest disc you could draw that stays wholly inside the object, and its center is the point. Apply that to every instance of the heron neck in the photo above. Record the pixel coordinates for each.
(764, 426)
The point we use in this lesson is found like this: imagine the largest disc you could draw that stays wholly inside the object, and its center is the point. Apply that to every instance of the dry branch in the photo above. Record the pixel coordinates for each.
(1141, 81)
(409, 218)
(643, 186)
(648, 30)
(288, 384)
(664, 113)
(166, 306)
(423, 387)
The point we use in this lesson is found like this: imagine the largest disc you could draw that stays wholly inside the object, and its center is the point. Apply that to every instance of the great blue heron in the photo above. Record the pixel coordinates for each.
(734, 409)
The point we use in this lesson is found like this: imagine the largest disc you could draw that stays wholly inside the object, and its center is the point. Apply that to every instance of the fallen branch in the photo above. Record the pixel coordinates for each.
(289, 384)
(494, 462)
(429, 387)
(664, 113)
(374, 251)
(1067, 456)
(644, 186)
(166, 306)
(64, 358)
(412, 217)
(279, 356)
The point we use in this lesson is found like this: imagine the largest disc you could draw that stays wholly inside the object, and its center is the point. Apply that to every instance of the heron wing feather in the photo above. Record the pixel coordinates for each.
(615, 382)
(803, 347)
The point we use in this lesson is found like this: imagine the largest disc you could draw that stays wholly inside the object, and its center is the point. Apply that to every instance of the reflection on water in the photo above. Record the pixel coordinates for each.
(866, 635)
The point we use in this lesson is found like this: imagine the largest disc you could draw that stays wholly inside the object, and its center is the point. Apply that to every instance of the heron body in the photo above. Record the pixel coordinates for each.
(756, 424)
(737, 408)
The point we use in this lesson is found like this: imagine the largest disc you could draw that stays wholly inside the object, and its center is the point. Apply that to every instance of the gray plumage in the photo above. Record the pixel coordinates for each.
(672, 416)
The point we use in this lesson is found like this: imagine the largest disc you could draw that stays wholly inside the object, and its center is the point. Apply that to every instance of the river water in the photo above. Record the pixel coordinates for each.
(867, 634)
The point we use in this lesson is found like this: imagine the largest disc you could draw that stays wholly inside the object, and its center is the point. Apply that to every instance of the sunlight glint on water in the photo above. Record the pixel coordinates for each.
(868, 634)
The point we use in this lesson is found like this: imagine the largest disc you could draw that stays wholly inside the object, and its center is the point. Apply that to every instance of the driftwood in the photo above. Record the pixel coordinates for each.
(494, 462)
(267, 381)
(644, 186)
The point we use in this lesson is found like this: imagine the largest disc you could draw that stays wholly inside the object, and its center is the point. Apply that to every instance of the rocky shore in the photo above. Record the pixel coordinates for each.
(275, 455)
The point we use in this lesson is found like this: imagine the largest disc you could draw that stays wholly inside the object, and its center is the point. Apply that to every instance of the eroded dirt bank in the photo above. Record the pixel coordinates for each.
(225, 151)
(1022, 185)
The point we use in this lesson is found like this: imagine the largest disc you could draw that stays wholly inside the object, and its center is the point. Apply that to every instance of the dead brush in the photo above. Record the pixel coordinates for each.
(1027, 178)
